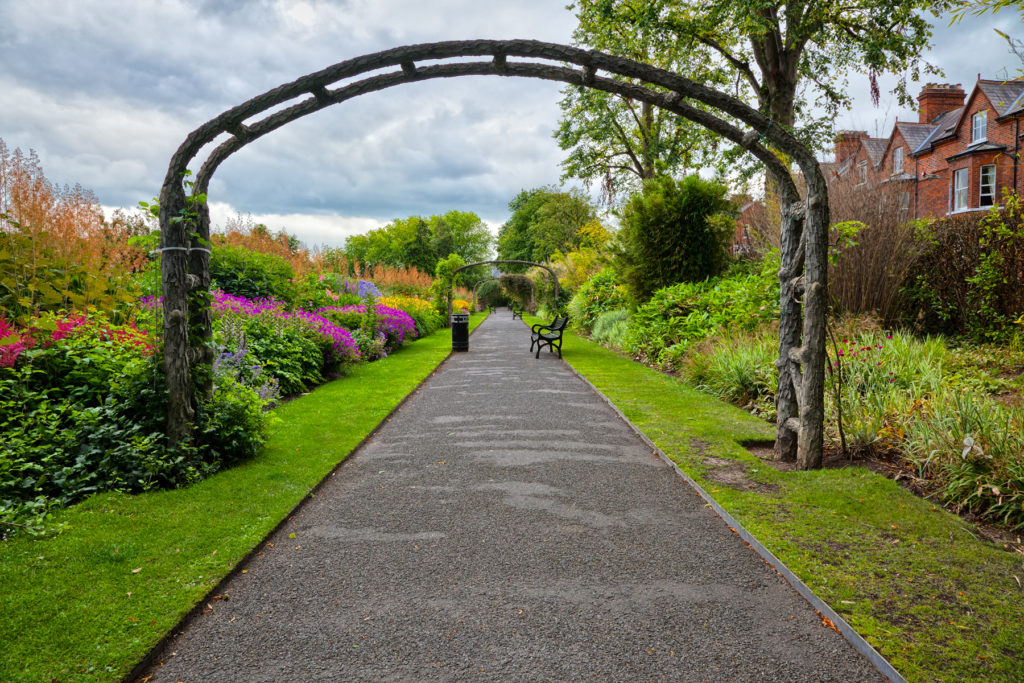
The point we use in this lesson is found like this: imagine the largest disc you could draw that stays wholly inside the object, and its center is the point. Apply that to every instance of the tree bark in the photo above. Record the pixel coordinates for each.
(174, 277)
(790, 319)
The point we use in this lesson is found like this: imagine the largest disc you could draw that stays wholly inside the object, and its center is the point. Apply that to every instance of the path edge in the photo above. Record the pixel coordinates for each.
(152, 657)
(862, 646)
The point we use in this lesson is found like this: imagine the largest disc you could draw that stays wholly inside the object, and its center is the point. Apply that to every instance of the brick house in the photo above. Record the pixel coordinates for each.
(958, 156)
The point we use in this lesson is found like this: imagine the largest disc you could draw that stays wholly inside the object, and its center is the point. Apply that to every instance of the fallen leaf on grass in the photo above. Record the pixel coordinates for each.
(136, 571)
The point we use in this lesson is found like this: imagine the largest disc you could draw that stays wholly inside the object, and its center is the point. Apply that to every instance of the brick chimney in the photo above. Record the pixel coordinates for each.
(847, 141)
(938, 98)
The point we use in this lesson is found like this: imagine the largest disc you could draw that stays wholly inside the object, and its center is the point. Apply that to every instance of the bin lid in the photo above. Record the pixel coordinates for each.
(460, 317)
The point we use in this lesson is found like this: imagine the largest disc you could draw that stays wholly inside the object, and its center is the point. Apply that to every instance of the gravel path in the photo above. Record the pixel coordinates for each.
(507, 525)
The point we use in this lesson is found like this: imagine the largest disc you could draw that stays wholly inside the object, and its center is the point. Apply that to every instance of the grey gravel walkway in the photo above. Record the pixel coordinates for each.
(507, 525)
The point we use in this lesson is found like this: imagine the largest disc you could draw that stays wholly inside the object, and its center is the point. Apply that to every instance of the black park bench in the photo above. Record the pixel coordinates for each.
(517, 311)
(548, 335)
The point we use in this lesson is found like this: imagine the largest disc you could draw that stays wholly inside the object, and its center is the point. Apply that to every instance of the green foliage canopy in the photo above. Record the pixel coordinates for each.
(545, 221)
(781, 57)
(419, 243)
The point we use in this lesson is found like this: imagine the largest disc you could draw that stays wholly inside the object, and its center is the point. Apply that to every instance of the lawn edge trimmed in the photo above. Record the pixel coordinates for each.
(153, 656)
(821, 607)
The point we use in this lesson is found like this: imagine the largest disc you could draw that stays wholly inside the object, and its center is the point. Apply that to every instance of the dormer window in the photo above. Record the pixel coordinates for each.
(862, 172)
(897, 160)
(979, 127)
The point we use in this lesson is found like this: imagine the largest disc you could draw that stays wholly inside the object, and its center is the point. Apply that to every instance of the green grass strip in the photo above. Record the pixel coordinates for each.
(913, 579)
(91, 601)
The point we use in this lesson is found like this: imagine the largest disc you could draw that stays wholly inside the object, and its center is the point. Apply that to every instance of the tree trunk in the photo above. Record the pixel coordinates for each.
(646, 156)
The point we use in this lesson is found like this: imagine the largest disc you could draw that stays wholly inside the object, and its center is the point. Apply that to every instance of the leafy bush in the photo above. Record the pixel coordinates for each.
(600, 294)
(288, 349)
(664, 328)
(445, 279)
(611, 328)
(969, 280)
(251, 274)
(231, 424)
(326, 289)
(670, 233)
(82, 410)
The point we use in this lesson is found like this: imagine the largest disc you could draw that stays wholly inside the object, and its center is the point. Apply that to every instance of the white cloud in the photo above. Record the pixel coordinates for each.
(106, 90)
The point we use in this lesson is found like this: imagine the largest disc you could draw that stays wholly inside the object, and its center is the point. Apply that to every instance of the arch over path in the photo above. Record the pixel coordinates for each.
(484, 263)
(477, 286)
(185, 219)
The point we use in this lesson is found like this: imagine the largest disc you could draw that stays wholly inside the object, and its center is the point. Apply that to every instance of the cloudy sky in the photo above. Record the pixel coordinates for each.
(105, 90)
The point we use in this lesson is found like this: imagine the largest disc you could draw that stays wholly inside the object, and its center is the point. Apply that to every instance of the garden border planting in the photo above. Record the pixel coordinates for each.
(96, 566)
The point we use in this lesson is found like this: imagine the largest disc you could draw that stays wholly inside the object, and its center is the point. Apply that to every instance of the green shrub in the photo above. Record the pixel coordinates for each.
(664, 328)
(287, 349)
(82, 410)
(611, 328)
(673, 231)
(968, 283)
(95, 425)
(600, 294)
(350, 320)
(231, 423)
(315, 291)
(252, 274)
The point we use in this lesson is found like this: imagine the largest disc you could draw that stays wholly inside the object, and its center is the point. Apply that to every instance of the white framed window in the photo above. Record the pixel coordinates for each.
(960, 179)
(979, 126)
(862, 172)
(987, 193)
(897, 160)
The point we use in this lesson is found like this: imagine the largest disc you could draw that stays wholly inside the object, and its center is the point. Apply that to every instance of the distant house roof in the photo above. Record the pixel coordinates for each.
(875, 148)
(914, 133)
(1005, 96)
(945, 126)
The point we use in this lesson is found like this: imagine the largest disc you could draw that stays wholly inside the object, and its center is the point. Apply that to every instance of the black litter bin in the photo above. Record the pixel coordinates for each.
(460, 332)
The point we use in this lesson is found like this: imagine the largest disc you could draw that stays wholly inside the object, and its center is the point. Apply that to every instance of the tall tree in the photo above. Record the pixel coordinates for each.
(781, 56)
(615, 140)
(462, 233)
(545, 221)
(419, 251)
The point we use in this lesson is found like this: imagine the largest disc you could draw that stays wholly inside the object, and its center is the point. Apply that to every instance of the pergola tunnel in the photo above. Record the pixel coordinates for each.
(185, 218)
(455, 272)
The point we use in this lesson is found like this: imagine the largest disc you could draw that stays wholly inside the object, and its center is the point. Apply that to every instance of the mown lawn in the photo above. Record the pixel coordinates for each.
(89, 601)
(916, 581)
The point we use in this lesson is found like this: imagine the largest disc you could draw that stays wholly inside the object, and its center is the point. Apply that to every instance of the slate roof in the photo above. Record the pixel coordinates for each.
(914, 133)
(1005, 96)
(945, 126)
(875, 148)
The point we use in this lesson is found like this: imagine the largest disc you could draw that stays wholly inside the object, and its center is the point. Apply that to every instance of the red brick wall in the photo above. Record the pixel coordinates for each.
(934, 195)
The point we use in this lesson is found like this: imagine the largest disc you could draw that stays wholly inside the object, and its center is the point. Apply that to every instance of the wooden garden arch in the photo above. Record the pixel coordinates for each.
(185, 218)
(484, 263)
(477, 286)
